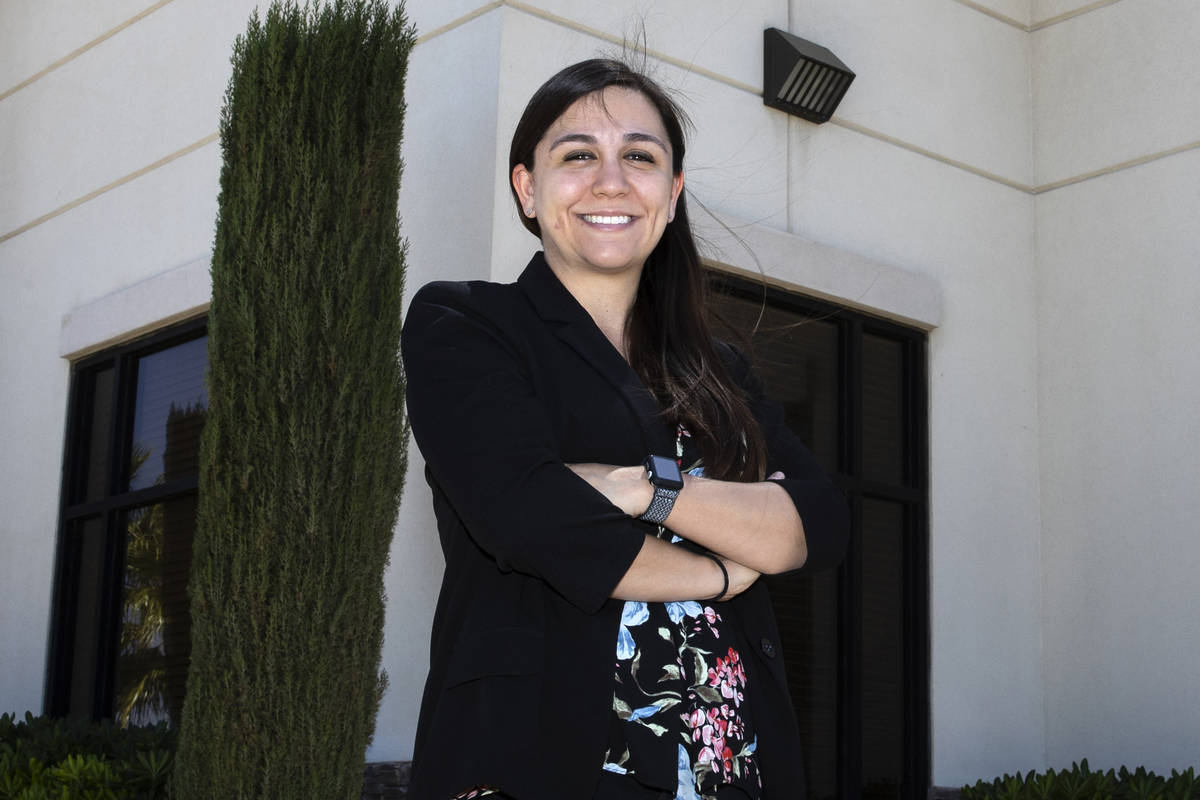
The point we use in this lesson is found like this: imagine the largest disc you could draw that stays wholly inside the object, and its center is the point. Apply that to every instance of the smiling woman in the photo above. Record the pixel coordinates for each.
(602, 186)
(609, 483)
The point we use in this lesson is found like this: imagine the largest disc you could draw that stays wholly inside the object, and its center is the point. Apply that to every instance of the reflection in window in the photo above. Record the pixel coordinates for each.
(155, 627)
(168, 414)
(121, 627)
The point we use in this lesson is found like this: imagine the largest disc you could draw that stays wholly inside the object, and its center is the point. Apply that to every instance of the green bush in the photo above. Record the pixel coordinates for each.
(1081, 783)
(303, 451)
(42, 757)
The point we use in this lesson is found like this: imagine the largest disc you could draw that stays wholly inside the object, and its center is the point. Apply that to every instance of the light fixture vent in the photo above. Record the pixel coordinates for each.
(802, 78)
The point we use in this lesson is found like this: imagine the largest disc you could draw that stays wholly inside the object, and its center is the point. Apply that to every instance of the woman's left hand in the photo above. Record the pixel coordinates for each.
(627, 488)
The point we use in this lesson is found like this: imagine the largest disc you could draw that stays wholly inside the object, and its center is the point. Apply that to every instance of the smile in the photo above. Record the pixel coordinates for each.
(599, 220)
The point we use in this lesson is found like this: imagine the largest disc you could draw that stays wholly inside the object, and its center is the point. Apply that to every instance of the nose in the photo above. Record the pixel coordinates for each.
(610, 178)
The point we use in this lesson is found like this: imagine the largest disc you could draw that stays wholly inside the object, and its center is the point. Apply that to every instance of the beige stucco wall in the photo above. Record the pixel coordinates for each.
(1119, 376)
(1050, 312)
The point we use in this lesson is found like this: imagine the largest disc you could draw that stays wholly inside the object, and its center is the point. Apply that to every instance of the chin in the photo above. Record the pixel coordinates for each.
(615, 259)
(616, 264)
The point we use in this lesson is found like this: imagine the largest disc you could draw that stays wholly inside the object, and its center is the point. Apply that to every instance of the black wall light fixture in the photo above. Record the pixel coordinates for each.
(802, 78)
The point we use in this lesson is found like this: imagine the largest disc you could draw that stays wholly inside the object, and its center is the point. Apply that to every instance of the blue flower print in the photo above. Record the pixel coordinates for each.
(634, 613)
(689, 608)
(686, 787)
(642, 713)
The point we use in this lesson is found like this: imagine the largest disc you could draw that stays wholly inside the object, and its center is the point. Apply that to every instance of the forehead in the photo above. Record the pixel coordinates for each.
(615, 109)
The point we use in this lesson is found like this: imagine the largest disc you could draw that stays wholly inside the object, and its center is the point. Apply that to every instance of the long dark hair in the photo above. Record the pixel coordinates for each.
(671, 345)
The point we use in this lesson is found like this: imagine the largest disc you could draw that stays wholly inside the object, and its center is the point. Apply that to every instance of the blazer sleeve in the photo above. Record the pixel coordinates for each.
(821, 505)
(488, 444)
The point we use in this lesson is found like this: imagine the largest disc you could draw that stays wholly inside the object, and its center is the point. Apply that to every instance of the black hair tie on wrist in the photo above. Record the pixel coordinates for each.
(724, 575)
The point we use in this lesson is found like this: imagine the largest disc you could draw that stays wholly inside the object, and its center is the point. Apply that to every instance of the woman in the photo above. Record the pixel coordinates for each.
(600, 632)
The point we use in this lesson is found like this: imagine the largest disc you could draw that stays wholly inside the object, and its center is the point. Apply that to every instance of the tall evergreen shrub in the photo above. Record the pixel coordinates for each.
(303, 452)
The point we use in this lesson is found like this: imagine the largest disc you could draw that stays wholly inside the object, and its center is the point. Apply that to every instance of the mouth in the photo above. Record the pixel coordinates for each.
(605, 219)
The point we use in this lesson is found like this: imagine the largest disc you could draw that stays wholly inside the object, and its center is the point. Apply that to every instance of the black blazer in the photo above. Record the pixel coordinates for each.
(506, 384)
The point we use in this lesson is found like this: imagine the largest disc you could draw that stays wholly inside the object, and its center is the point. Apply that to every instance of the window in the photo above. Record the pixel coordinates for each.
(120, 635)
(857, 639)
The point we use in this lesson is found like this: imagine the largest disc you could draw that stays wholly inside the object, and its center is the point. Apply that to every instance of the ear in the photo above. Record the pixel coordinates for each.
(522, 181)
(676, 188)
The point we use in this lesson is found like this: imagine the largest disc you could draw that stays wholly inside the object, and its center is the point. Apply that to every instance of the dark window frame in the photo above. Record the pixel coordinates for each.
(912, 493)
(110, 509)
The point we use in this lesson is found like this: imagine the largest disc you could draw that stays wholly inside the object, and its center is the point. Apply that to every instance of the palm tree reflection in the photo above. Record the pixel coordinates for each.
(155, 624)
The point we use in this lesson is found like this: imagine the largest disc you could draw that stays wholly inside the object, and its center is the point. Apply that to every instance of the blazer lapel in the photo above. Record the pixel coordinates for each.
(571, 323)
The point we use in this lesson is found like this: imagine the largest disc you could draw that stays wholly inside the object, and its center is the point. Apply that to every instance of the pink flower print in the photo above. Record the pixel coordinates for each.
(726, 757)
(694, 721)
(709, 617)
(719, 756)
(728, 676)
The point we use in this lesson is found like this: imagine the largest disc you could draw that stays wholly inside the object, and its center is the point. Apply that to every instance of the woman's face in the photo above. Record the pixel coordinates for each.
(602, 186)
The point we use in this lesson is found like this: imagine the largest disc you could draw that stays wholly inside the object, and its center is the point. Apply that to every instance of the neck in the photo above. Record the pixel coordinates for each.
(607, 298)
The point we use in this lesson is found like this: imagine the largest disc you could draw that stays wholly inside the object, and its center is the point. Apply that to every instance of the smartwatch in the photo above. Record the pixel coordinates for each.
(667, 482)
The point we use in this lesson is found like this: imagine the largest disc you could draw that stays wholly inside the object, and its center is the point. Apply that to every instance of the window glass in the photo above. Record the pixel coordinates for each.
(806, 608)
(168, 414)
(152, 658)
(119, 646)
(798, 360)
(883, 632)
(87, 541)
(883, 409)
(94, 432)
(796, 356)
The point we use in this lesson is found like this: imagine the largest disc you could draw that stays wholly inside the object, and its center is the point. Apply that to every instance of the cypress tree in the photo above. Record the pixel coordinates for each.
(303, 451)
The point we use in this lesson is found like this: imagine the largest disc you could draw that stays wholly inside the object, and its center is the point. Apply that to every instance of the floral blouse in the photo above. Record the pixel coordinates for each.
(679, 718)
(679, 721)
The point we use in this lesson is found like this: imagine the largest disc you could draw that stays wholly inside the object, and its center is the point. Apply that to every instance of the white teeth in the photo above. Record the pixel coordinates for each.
(598, 220)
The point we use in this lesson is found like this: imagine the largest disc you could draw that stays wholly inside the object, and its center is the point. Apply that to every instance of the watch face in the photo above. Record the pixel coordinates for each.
(664, 472)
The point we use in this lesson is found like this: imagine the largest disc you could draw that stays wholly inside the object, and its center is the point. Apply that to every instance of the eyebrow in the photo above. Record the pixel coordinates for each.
(587, 138)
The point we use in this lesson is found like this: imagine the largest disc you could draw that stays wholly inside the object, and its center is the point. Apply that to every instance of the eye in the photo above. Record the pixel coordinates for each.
(640, 155)
(578, 155)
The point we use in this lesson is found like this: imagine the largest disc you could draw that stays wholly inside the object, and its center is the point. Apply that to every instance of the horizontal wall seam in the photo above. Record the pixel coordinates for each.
(455, 23)
(1036, 26)
(994, 14)
(77, 52)
(914, 148)
(1120, 167)
(1087, 9)
(578, 27)
(212, 137)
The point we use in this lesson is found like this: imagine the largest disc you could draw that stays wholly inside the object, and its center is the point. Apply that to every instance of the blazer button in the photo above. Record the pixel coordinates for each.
(768, 647)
